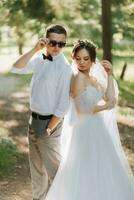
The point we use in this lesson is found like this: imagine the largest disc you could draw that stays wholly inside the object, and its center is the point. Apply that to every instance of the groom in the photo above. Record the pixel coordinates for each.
(49, 101)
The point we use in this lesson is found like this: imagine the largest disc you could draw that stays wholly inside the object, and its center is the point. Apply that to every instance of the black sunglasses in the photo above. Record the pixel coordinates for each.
(53, 43)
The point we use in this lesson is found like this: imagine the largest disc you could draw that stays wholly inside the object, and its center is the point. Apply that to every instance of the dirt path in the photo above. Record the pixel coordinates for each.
(13, 122)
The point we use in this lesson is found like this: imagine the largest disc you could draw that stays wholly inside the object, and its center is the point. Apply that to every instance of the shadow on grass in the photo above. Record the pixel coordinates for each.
(126, 95)
(14, 113)
(127, 136)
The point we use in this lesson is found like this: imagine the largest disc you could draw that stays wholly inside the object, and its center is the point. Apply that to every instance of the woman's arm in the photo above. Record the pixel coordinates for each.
(110, 91)
(107, 106)
(77, 85)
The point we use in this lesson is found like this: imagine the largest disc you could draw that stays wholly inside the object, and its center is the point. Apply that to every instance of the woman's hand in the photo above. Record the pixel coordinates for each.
(41, 44)
(107, 66)
(110, 104)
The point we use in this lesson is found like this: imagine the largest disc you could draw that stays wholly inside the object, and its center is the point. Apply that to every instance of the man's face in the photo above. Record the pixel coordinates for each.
(56, 43)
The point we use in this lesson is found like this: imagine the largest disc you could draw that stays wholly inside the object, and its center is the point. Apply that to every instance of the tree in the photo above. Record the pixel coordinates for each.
(40, 10)
(122, 18)
(90, 23)
(20, 15)
(106, 30)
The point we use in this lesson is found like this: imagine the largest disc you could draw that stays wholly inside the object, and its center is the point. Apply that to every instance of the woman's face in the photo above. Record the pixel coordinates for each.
(83, 60)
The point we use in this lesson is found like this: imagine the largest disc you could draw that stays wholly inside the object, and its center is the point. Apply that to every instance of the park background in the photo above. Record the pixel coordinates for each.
(109, 24)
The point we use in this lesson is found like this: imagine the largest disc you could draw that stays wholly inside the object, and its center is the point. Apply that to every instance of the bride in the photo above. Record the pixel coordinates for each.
(94, 166)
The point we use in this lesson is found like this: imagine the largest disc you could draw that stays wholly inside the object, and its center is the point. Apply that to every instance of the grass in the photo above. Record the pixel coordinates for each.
(126, 89)
(126, 86)
(118, 63)
(8, 155)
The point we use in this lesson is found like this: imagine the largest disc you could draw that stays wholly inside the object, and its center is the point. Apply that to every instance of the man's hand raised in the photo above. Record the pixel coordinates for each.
(41, 44)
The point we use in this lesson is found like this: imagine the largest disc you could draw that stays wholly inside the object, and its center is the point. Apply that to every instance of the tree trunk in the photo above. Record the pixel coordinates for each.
(20, 39)
(106, 30)
(123, 71)
(20, 48)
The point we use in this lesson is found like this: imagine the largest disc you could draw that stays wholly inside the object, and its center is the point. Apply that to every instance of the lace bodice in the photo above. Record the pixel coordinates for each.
(86, 101)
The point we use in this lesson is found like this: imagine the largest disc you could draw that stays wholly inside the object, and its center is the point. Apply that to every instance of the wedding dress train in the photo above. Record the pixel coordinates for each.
(94, 166)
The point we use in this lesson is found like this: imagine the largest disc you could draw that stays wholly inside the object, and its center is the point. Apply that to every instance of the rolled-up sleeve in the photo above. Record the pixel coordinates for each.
(63, 90)
(28, 69)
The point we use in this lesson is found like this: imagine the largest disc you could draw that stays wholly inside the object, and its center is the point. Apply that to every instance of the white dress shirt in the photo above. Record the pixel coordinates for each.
(50, 84)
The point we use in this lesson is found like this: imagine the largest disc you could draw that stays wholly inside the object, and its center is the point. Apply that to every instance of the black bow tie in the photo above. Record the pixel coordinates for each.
(49, 57)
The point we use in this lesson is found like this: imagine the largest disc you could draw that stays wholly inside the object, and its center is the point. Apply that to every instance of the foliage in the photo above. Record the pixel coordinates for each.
(123, 17)
(25, 16)
(82, 18)
(40, 10)
(8, 156)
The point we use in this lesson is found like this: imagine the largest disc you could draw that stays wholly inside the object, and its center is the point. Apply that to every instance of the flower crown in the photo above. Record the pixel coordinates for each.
(84, 43)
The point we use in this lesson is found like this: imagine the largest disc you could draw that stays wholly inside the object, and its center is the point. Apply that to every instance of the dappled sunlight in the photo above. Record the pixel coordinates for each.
(125, 116)
(3, 131)
(129, 71)
(124, 54)
(14, 108)
(22, 143)
(7, 85)
(130, 155)
(7, 58)
(126, 93)
(2, 102)
(20, 94)
(126, 121)
(127, 134)
(9, 123)
(19, 107)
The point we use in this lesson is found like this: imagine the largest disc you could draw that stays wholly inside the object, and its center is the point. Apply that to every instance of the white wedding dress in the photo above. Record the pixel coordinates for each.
(94, 166)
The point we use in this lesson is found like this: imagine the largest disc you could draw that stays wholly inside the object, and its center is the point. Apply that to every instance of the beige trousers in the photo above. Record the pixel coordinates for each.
(44, 158)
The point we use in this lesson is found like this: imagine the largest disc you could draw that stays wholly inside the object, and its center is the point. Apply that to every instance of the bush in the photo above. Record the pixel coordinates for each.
(8, 156)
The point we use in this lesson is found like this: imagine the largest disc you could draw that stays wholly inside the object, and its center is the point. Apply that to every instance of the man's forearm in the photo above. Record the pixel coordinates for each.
(24, 59)
(54, 122)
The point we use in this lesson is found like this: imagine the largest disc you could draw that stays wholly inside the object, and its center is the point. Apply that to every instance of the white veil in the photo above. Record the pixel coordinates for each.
(109, 115)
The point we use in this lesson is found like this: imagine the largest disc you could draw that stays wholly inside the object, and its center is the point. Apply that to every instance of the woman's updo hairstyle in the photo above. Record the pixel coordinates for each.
(85, 44)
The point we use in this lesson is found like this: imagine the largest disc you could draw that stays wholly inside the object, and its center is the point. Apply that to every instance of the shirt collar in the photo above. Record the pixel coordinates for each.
(58, 56)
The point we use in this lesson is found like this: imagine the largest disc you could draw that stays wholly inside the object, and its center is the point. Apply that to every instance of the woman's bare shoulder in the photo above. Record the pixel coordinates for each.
(77, 84)
(94, 81)
(77, 78)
